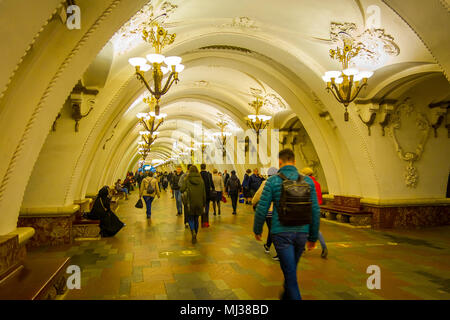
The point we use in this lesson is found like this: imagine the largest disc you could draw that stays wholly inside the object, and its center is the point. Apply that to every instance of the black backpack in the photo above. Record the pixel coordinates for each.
(233, 183)
(295, 202)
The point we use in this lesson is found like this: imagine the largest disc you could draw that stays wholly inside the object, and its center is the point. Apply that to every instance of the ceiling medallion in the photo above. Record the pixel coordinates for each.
(129, 35)
(271, 101)
(375, 45)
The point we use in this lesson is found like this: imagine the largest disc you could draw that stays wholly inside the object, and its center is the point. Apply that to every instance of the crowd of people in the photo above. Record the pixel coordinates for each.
(284, 192)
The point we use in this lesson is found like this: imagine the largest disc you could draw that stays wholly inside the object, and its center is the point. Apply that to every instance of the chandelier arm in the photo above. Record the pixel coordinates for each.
(157, 126)
(336, 93)
(349, 93)
(357, 92)
(169, 83)
(145, 125)
(141, 77)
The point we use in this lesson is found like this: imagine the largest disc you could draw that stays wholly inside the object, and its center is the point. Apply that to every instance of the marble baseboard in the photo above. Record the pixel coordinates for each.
(409, 217)
(49, 230)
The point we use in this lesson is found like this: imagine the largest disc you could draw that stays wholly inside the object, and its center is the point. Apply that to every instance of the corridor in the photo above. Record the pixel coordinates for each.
(156, 260)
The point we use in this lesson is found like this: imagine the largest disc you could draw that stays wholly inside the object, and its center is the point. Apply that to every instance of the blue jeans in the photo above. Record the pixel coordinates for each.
(322, 241)
(148, 203)
(125, 190)
(193, 222)
(289, 247)
(178, 201)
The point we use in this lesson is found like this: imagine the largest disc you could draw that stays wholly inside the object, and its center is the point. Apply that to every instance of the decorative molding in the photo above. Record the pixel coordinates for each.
(243, 23)
(112, 135)
(201, 83)
(402, 112)
(129, 35)
(225, 47)
(36, 36)
(19, 149)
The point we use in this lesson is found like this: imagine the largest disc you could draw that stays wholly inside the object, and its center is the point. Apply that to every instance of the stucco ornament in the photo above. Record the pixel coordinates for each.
(130, 34)
(242, 23)
(375, 46)
(401, 113)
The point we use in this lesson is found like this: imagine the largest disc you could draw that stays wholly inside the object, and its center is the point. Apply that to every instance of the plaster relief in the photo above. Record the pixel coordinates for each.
(407, 118)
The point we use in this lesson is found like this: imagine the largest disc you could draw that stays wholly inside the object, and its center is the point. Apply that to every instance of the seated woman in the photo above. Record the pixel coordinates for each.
(110, 224)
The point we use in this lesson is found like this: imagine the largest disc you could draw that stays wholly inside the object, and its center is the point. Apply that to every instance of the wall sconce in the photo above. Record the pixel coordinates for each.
(54, 122)
(439, 112)
(383, 109)
(77, 98)
(76, 113)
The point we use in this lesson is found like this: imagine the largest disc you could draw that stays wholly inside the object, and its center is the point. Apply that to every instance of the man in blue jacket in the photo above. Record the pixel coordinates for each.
(289, 241)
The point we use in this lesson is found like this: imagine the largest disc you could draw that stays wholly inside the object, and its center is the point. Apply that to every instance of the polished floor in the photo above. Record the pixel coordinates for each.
(156, 260)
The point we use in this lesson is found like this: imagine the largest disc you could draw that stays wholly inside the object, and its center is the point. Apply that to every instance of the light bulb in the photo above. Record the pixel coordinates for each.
(350, 71)
(146, 67)
(366, 74)
(179, 68)
(338, 80)
(164, 70)
(172, 61)
(138, 61)
(333, 74)
(155, 58)
(326, 79)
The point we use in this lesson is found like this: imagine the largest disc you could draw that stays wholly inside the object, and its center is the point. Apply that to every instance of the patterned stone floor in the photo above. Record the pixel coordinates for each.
(156, 260)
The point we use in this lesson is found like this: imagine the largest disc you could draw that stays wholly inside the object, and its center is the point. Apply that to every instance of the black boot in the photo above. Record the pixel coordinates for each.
(194, 237)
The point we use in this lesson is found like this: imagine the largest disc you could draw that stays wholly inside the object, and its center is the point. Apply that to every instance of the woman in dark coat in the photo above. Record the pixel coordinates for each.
(194, 187)
(246, 187)
(101, 210)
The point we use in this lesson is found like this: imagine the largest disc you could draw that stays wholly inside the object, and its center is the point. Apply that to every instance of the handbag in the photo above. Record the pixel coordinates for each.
(213, 194)
(224, 200)
(139, 204)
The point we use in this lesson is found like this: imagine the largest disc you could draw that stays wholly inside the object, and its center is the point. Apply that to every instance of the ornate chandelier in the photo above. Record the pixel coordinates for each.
(222, 124)
(158, 37)
(150, 121)
(257, 122)
(202, 145)
(345, 85)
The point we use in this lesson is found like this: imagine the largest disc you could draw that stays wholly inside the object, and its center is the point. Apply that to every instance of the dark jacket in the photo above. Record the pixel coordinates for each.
(209, 184)
(101, 205)
(233, 185)
(254, 182)
(110, 224)
(195, 194)
(174, 183)
(245, 181)
(271, 193)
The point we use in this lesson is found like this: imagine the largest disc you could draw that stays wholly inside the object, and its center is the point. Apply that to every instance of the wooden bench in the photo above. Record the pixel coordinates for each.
(347, 209)
(37, 279)
(85, 229)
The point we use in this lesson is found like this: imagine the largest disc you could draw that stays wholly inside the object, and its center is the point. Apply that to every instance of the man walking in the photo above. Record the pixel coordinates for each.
(174, 183)
(209, 185)
(290, 240)
(233, 187)
(149, 190)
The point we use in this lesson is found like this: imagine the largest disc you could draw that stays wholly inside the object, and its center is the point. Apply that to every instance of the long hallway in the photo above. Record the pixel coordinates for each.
(156, 260)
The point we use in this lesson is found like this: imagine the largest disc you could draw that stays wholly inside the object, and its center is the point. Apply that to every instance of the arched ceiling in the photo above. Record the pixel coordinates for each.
(281, 48)
(215, 82)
